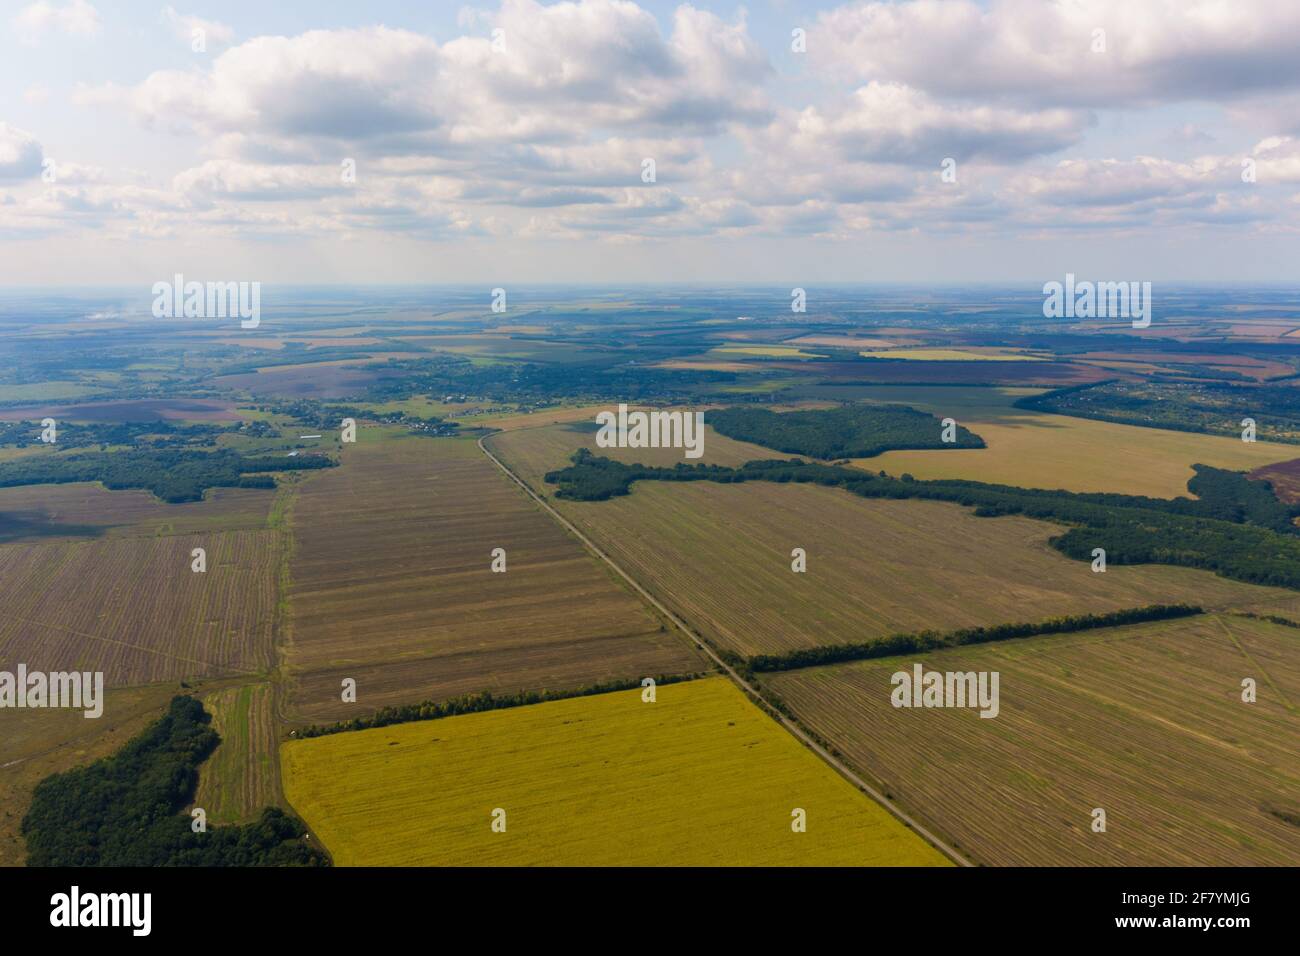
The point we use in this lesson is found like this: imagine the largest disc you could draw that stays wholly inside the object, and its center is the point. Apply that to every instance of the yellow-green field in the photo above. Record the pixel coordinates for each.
(699, 777)
(47, 391)
(767, 351)
(1076, 454)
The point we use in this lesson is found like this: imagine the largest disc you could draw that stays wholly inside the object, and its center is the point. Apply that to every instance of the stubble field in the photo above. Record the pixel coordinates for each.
(392, 586)
(720, 556)
(131, 606)
(1037, 450)
(1145, 722)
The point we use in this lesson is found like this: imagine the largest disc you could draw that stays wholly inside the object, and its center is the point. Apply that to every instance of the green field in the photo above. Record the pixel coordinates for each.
(48, 392)
(242, 775)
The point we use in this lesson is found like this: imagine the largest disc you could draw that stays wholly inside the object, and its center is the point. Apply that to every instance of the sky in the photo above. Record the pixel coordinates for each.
(925, 141)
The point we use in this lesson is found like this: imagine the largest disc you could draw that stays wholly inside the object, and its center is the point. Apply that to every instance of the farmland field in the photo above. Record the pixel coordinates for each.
(392, 586)
(1038, 450)
(379, 571)
(322, 380)
(242, 775)
(83, 508)
(847, 341)
(138, 411)
(765, 351)
(943, 372)
(951, 355)
(1077, 454)
(1145, 722)
(1284, 477)
(133, 608)
(699, 777)
(875, 566)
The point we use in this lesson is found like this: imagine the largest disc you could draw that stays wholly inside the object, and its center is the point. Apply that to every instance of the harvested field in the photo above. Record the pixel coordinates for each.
(142, 410)
(705, 365)
(1038, 450)
(952, 355)
(1258, 369)
(992, 402)
(322, 380)
(243, 774)
(132, 607)
(1287, 608)
(392, 586)
(904, 372)
(719, 555)
(700, 777)
(510, 421)
(1145, 722)
(37, 743)
(1284, 477)
(89, 509)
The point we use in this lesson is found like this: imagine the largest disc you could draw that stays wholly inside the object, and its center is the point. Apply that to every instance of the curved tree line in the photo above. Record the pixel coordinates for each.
(1233, 529)
(126, 809)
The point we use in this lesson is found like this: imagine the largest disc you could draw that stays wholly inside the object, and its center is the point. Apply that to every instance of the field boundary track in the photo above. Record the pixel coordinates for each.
(220, 669)
(841, 768)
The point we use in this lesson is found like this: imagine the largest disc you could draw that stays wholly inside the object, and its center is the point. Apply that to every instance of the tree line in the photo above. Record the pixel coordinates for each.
(476, 703)
(1230, 530)
(174, 475)
(850, 431)
(154, 434)
(930, 640)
